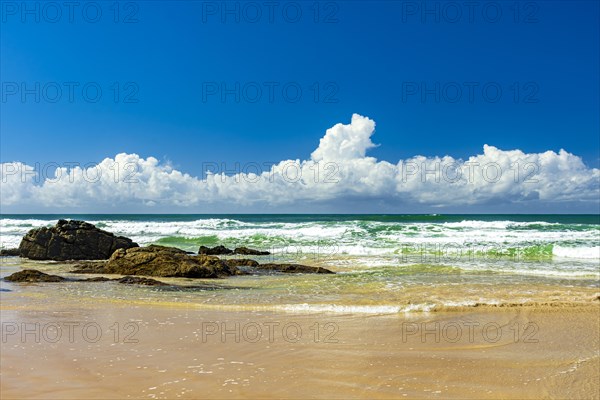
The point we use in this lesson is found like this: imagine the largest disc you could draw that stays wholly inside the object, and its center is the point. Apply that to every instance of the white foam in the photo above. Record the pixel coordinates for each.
(577, 252)
(478, 224)
(368, 243)
(355, 309)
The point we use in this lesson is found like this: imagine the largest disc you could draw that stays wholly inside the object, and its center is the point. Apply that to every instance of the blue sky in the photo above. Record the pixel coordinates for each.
(173, 59)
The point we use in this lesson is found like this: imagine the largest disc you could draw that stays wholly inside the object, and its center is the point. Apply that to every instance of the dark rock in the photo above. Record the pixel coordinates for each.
(250, 252)
(96, 279)
(214, 251)
(222, 250)
(33, 275)
(167, 262)
(136, 280)
(10, 253)
(71, 240)
(294, 269)
(241, 262)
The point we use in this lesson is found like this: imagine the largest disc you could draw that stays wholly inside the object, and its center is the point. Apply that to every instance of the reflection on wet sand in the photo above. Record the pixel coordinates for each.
(57, 348)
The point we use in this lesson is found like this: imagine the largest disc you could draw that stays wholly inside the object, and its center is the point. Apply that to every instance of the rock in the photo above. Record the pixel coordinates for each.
(241, 262)
(127, 280)
(167, 262)
(214, 251)
(71, 240)
(250, 252)
(136, 280)
(223, 251)
(95, 279)
(33, 275)
(294, 269)
(10, 253)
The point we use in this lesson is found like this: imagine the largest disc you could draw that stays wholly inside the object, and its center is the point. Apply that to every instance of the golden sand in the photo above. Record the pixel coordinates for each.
(150, 351)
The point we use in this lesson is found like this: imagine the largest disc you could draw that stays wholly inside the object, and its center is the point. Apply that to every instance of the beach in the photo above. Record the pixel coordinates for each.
(420, 307)
(174, 353)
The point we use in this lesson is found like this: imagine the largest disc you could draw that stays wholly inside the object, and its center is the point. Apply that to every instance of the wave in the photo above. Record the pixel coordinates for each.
(338, 309)
(450, 306)
(369, 236)
(591, 253)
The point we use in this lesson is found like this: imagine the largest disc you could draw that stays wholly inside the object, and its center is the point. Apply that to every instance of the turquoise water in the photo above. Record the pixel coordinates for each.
(563, 245)
(384, 262)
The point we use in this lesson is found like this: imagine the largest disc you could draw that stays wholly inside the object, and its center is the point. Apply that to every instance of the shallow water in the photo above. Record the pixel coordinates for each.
(381, 290)
(384, 264)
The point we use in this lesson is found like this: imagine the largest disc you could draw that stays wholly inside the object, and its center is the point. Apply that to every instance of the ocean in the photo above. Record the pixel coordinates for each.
(384, 263)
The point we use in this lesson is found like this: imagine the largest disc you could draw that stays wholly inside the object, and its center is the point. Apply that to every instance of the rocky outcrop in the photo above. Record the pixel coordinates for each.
(33, 275)
(166, 262)
(172, 262)
(249, 252)
(136, 280)
(294, 269)
(224, 251)
(127, 280)
(214, 251)
(95, 279)
(72, 240)
(9, 253)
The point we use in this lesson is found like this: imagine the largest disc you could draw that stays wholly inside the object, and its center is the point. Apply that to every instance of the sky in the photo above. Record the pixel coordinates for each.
(367, 93)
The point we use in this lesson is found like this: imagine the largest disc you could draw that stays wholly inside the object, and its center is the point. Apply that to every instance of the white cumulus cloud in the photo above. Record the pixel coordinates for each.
(346, 142)
(338, 176)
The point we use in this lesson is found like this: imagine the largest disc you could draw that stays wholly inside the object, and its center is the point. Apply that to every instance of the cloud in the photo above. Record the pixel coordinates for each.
(346, 142)
(338, 174)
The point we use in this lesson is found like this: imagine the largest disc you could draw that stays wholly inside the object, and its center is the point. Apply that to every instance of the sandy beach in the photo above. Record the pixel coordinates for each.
(113, 349)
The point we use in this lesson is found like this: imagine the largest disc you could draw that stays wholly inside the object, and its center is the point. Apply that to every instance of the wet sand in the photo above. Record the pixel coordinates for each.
(181, 351)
